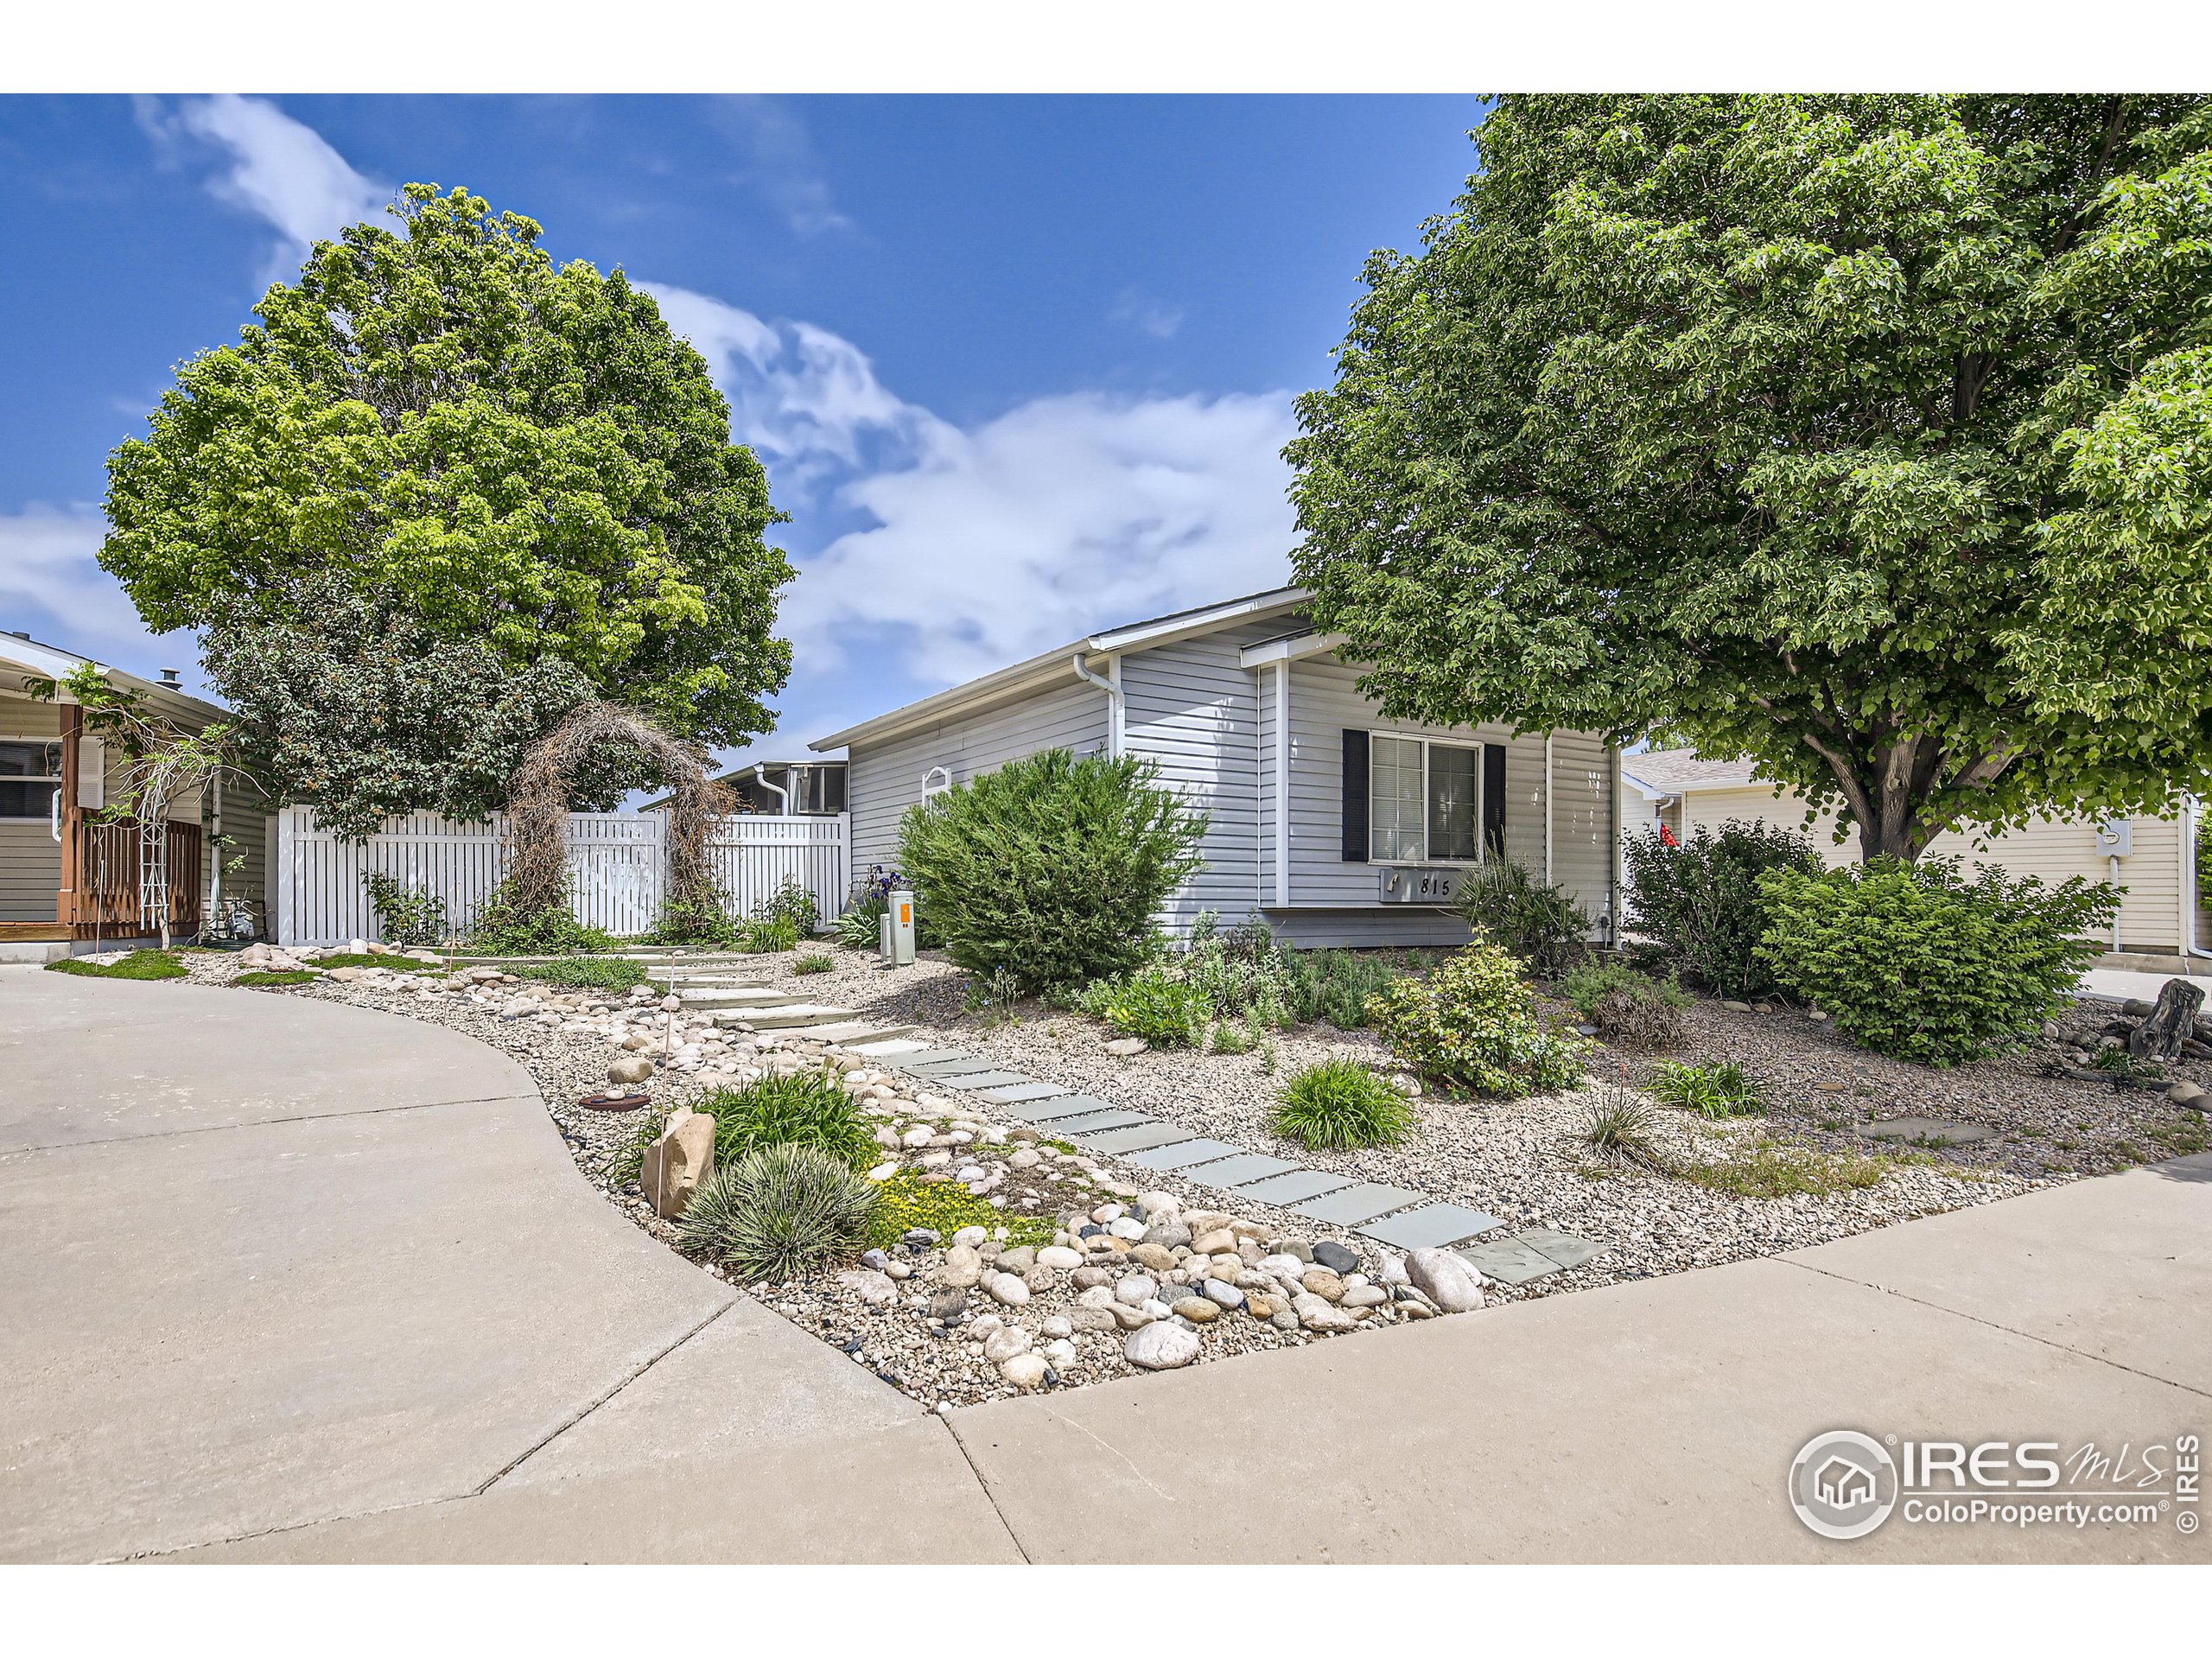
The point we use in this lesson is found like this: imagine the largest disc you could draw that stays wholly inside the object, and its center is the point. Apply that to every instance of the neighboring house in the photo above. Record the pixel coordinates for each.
(69, 882)
(783, 789)
(1332, 821)
(2159, 915)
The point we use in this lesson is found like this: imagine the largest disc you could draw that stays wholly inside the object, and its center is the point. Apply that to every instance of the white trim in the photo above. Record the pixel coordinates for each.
(930, 791)
(1425, 862)
(1282, 783)
(1181, 625)
(1110, 683)
(1290, 650)
(52, 779)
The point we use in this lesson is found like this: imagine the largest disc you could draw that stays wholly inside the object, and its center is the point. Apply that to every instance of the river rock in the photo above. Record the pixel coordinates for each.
(1128, 1047)
(1320, 1281)
(1160, 1347)
(1005, 1343)
(1091, 1318)
(677, 1160)
(963, 1266)
(874, 1288)
(1316, 1313)
(627, 1070)
(1222, 1293)
(1060, 1258)
(1447, 1279)
(1337, 1258)
(947, 1305)
(1004, 1287)
(1135, 1290)
(1196, 1309)
(1365, 1296)
(1025, 1370)
(1157, 1257)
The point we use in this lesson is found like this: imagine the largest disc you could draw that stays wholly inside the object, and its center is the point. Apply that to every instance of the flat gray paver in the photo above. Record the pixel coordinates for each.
(1252, 1166)
(1138, 1138)
(1061, 1108)
(982, 1079)
(935, 1056)
(937, 1068)
(1349, 1206)
(1432, 1225)
(1946, 1131)
(1292, 1189)
(1015, 1094)
(1569, 1249)
(1508, 1261)
(1093, 1122)
(1183, 1154)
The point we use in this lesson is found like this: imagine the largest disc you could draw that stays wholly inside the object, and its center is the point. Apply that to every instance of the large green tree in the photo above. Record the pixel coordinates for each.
(514, 460)
(1865, 437)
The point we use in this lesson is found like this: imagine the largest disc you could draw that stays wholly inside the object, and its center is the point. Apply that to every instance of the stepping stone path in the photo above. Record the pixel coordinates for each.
(1946, 1130)
(1390, 1215)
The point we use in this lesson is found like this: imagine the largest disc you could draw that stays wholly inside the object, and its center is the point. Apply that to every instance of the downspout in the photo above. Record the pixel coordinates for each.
(1282, 784)
(1110, 683)
(1549, 877)
(2190, 945)
(761, 777)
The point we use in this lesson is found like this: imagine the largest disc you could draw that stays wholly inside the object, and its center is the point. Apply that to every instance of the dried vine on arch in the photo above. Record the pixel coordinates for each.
(537, 807)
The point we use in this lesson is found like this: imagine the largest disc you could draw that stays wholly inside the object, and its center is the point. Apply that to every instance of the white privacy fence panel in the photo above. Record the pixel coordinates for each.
(617, 860)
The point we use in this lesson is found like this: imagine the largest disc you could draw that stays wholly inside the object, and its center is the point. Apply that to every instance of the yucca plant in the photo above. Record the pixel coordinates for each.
(1618, 1127)
(778, 1213)
(1339, 1103)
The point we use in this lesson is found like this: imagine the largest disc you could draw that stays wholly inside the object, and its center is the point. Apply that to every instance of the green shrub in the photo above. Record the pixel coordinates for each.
(410, 916)
(1717, 1091)
(779, 1212)
(1921, 963)
(793, 902)
(1631, 1010)
(861, 928)
(1340, 1104)
(139, 964)
(811, 965)
(809, 1109)
(1535, 920)
(1470, 1024)
(1154, 1003)
(588, 973)
(1337, 985)
(502, 930)
(281, 976)
(905, 1201)
(1051, 867)
(695, 922)
(767, 934)
(1702, 902)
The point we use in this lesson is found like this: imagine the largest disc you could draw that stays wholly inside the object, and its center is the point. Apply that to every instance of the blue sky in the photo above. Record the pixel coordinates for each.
(1017, 367)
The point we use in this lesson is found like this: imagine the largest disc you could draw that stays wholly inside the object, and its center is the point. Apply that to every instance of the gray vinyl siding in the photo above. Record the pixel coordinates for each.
(1191, 706)
(30, 870)
(883, 779)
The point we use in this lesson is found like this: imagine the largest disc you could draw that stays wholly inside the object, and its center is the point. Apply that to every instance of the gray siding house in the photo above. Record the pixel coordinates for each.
(1333, 823)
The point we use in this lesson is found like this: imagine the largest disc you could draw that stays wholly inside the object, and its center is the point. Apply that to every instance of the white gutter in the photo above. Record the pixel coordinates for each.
(1110, 683)
(1548, 877)
(1289, 650)
(1282, 783)
(2190, 808)
(761, 778)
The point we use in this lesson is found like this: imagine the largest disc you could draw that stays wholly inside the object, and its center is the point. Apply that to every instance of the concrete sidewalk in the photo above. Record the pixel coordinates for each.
(379, 1318)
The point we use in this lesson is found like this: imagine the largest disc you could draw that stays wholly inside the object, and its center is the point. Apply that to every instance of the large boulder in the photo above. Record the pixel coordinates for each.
(1447, 1279)
(677, 1160)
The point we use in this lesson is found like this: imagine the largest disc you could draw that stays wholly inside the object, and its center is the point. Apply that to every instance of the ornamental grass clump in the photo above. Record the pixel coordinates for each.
(1339, 1103)
(1721, 1090)
(808, 1109)
(1471, 1024)
(1920, 963)
(779, 1212)
(1619, 1128)
(1051, 867)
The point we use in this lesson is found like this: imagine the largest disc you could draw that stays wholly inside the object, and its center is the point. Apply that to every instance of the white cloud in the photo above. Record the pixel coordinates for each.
(1137, 309)
(1064, 515)
(785, 167)
(280, 171)
(52, 588)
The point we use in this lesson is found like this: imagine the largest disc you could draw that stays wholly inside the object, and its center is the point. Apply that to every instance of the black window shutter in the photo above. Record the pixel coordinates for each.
(1355, 798)
(1494, 800)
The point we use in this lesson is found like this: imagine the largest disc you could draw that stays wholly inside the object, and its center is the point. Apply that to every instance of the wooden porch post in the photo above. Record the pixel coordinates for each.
(73, 816)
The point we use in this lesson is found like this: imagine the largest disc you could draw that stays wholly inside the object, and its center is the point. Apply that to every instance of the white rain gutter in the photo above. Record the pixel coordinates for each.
(1110, 683)
(761, 777)
(2190, 809)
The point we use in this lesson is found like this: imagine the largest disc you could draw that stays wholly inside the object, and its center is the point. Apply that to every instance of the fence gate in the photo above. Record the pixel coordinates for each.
(618, 861)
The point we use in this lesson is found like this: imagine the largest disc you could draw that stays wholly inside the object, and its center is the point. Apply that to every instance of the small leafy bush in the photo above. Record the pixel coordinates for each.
(767, 934)
(812, 965)
(504, 930)
(1702, 901)
(1052, 868)
(588, 973)
(1716, 1091)
(793, 902)
(1154, 1003)
(1340, 1104)
(861, 928)
(808, 1109)
(1535, 920)
(1338, 985)
(139, 964)
(694, 921)
(410, 916)
(1922, 964)
(1469, 1023)
(779, 1212)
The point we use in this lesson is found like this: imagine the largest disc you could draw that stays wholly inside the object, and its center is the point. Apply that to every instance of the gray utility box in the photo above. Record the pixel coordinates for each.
(895, 934)
(1417, 887)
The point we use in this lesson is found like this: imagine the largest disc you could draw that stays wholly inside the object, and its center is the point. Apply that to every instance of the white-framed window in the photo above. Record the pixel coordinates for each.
(30, 773)
(1424, 800)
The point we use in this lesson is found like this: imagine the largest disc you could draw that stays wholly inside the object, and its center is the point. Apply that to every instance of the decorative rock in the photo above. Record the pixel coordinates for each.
(1020, 1259)
(1262, 1307)
(1005, 1343)
(1284, 1318)
(1319, 1282)
(1222, 1293)
(1392, 1270)
(2186, 1094)
(1196, 1309)
(1040, 1279)
(1734, 1005)
(1130, 1319)
(1024, 1158)
(1282, 1265)
(1091, 1318)
(1060, 1258)
(1057, 1325)
(946, 1305)
(1448, 1280)
(963, 1266)
(1004, 1287)
(1135, 1290)
(1366, 1296)
(1167, 1235)
(677, 1160)
(971, 1236)
(1160, 1347)
(874, 1288)
(1128, 1227)
(1128, 1047)
(1089, 1278)
(1097, 1296)
(1061, 1353)
(1297, 1249)
(1155, 1257)
(1336, 1257)
(1025, 1370)
(1160, 1207)
(1316, 1314)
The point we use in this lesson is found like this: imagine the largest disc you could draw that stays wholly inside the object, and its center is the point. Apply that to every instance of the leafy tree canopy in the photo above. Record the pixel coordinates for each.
(519, 458)
(1865, 436)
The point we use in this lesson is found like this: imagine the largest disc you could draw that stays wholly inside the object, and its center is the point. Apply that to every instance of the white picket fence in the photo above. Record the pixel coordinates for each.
(618, 859)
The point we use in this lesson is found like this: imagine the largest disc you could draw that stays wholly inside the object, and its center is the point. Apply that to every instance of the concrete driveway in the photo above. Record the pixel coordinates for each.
(290, 1281)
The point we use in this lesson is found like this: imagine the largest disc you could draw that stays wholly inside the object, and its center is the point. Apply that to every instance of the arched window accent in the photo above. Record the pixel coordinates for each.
(935, 782)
